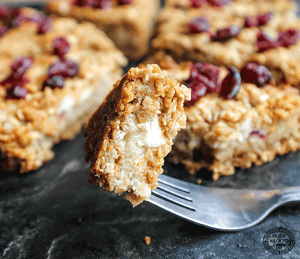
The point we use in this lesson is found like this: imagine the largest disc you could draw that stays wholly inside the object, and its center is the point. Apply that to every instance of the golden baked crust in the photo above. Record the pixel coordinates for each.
(219, 133)
(129, 26)
(30, 127)
(173, 36)
(129, 135)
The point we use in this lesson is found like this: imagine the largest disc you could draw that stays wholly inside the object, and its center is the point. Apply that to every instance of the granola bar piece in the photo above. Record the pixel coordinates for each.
(236, 7)
(129, 135)
(233, 125)
(128, 23)
(51, 79)
(265, 32)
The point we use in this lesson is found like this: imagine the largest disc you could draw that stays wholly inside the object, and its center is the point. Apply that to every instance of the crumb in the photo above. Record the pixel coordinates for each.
(199, 181)
(231, 183)
(79, 220)
(147, 240)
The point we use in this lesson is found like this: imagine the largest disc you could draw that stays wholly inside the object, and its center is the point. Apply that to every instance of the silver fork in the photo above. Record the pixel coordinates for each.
(219, 208)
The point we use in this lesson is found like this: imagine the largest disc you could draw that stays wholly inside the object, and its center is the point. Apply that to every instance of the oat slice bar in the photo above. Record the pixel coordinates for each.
(265, 32)
(51, 80)
(233, 119)
(129, 23)
(129, 135)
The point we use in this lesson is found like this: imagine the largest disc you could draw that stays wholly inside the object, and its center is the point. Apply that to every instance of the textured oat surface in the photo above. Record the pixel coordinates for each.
(129, 26)
(29, 128)
(218, 131)
(174, 38)
(132, 131)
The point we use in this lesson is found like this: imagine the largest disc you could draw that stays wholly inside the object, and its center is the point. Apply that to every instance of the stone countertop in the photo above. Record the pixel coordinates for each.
(54, 213)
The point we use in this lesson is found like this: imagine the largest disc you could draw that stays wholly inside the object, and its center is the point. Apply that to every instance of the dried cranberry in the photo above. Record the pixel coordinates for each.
(199, 24)
(55, 82)
(250, 21)
(85, 3)
(60, 47)
(259, 134)
(103, 4)
(12, 81)
(288, 37)
(124, 2)
(256, 74)
(5, 12)
(198, 90)
(197, 3)
(17, 18)
(206, 74)
(263, 19)
(204, 78)
(231, 84)
(43, 22)
(20, 66)
(218, 3)
(3, 30)
(63, 67)
(259, 20)
(16, 92)
(16, 89)
(265, 42)
(226, 34)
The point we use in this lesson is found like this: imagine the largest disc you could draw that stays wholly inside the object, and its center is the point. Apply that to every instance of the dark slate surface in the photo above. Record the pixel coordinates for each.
(40, 215)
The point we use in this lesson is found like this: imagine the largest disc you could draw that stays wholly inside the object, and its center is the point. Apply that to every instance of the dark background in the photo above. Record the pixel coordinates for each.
(54, 213)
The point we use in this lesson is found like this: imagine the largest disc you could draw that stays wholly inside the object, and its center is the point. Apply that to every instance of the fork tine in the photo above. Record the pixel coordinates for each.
(175, 192)
(182, 212)
(175, 183)
(173, 200)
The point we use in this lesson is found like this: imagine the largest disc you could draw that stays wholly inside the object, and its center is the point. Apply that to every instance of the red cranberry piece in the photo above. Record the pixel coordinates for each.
(198, 90)
(13, 81)
(259, 134)
(226, 34)
(17, 18)
(263, 19)
(63, 67)
(265, 42)
(103, 4)
(251, 21)
(204, 78)
(259, 20)
(218, 3)
(3, 30)
(60, 47)
(231, 84)
(55, 82)
(85, 3)
(5, 12)
(288, 37)
(199, 24)
(17, 90)
(20, 66)
(197, 3)
(206, 74)
(43, 22)
(256, 74)
(124, 2)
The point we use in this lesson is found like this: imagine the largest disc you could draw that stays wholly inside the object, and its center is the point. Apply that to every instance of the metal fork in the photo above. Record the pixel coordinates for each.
(219, 208)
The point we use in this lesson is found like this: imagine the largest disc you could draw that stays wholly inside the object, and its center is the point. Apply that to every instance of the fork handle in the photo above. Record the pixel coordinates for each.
(288, 195)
